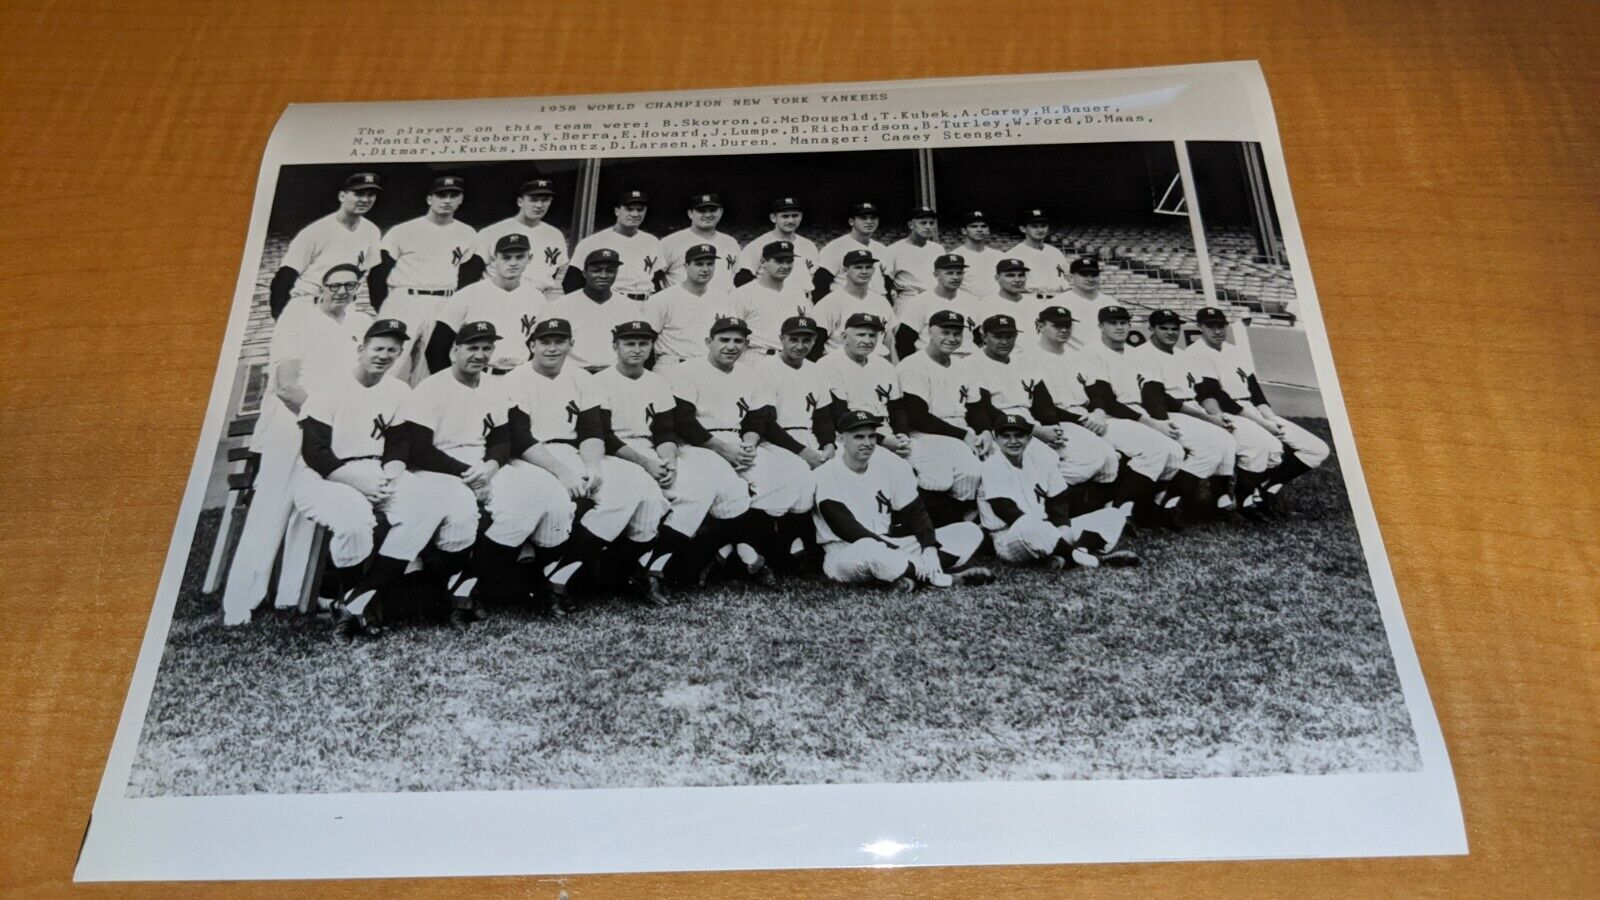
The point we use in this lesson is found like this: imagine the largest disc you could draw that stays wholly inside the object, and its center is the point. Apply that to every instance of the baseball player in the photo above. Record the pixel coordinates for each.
(1011, 296)
(638, 253)
(343, 236)
(786, 215)
(860, 497)
(729, 407)
(340, 479)
(797, 405)
(831, 259)
(950, 272)
(1084, 297)
(980, 258)
(859, 269)
(508, 297)
(595, 310)
(933, 398)
(423, 262)
(1212, 449)
(698, 484)
(1048, 273)
(1224, 380)
(705, 213)
(558, 425)
(312, 345)
(1022, 503)
(547, 246)
(859, 379)
(774, 295)
(908, 262)
(682, 314)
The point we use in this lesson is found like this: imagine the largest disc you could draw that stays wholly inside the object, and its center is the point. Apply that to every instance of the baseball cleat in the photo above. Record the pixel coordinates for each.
(1056, 562)
(1120, 559)
(940, 580)
(977, 575)
(647, 585)
(904, 585)
(1085, 559)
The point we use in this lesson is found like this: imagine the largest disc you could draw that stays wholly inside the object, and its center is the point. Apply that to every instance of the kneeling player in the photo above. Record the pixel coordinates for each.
(862, 496)
(1022, 503)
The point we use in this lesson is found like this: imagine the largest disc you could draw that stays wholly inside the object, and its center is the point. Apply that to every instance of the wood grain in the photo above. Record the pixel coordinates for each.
(1443, 159)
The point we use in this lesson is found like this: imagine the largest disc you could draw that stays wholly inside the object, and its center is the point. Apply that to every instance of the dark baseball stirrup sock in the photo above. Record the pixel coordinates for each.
(577, 553)
(669, 543)
(494, 565)
(1221, 486)
(752, 528)
(1181, 490)
(1288, 470)
(937, 503)
(633, 555)
(1245, 484)
(453, 563)
(384, 571)
(1089, 540)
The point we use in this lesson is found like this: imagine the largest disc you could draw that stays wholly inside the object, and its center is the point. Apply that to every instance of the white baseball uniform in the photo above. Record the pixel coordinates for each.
(832, 311)
(796, 395)
(513, 314)
(867, 386)
(639, 253)
(1084, 456)
(592, 323)
(910, 268)
(831, 257)
(683, 320)
(1047, 268)
(942, 462)
(326, 243)
(916, 314)
(780, 481)
(872, 497)
(547, 250)
(805, 256)
(1085, 315)
(1232, 368)
(1208, 449)
(676, 244)
(1032, 536)
(980, 269)
(1150, 453)
(1024, 311)
(764, 309)
(427, 259)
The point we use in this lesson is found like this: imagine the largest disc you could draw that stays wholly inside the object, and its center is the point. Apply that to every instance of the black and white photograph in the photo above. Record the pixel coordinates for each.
(983, 462)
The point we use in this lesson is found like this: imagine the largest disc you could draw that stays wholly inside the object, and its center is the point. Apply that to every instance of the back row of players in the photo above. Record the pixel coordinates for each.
(513, 450)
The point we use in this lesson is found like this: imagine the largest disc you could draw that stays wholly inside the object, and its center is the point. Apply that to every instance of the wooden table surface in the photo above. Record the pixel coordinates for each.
(1443, 158)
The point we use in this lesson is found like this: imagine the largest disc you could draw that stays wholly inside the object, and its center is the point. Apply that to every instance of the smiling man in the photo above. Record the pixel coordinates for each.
(344, 236)
(705, 213)
(595, 309)
(786, 216)
(547, 246)
(638, 252)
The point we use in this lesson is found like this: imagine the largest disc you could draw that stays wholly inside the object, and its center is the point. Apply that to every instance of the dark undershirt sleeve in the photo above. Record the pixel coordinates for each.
(437, 353)
(397, 444)
(1057, 510)
(470, 271)
(821, 284)
(278, 294)
(663, 429)
(573, 280)
(316, 447)
(497, 445)
(778, 436)
(823, 421)
(743, 277)
(521, 432)
(1257, 395)
(1005, 509)
(1043, 406)
(897, 417)
(607, 433)
(378, 282)
(919, 419)
(686, 424)
(915, 520)
(755, 420)
(1211, 389)
(843, 524)
(423, 456)
(1153, 394)
(1101, 396)
(981, 415)
(905, 341)
(591, 425)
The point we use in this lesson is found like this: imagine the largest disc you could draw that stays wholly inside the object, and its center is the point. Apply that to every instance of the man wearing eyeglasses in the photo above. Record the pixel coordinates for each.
(343, 236)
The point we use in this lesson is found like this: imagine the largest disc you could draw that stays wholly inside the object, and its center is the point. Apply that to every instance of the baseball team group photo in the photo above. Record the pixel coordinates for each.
(987, 463)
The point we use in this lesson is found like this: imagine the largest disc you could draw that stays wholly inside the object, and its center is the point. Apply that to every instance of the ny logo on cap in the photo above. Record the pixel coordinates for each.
(706, 198)
(367, 178)
(380, 425)
(734, 320)
(788, 200)
(635, 195)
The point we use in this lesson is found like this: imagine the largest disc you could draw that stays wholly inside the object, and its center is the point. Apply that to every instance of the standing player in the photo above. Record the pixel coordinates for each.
(1048, 273)
(547, 246)
(1011, 296)
(682, 314)
(980, 258)
(508, 297)
(705, 213)
(950, 273)
(933, 397)
(909, 262)
(774, 295)
(831, 260)
(859, 270)
(861, 494)
(343, 236)
(638, 253)
(859, 379)
(595, 310)
(312, 346)
(1225, 382)
(1084, 297)
(424, 261)
(786, 215)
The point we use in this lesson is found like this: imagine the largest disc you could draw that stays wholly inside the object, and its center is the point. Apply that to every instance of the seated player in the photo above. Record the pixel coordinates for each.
(1022, 503)
(933, 403)
(872, 524)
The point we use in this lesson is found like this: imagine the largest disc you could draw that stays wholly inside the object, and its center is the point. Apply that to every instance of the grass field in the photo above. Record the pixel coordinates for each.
(1250, 650)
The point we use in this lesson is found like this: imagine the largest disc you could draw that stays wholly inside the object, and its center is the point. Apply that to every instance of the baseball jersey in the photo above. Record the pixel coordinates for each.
(911, 267)
(674, 245)
(634, 403)
(427, 256)
(460, 416)
(922, 308)
(765, 309)
(1065, 375)
(1027, 485)
(683, 321)
(867, 387)
(944, 388)
(511, 312)
(1118, 369)
(640, 255)
(592, 323)
(795, 393)
(1025, 311)
(326, 347)
(551, 404)
(980, 269)
(547, 247)
(805, 255)
(871, 496)
(358, 414)
(326, 243)
(1154, 364)
(1085, 315)
(831, 257)
(1231, 366)
(832, 311)
(1009, 384)
(1047, 268)
(721, 399)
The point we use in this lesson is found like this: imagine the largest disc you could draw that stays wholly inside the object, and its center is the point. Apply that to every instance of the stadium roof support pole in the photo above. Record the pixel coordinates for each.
(1197, 231)
(925, 179)
(588, 197)
(1260, 205)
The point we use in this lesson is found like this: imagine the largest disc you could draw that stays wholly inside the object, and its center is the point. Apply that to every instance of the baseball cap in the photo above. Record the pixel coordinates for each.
(1087, 265)
(856, 418)
(728, 323)
(785, 204)
(923, 212)
(516, 242)
(864, 320)
(477, 331)
(1012, 422)
(363, 181)
(1010, 264)
(627, 197)
(1114, 314)
(866, 208)
(1000, 324)
(975, 215)
(603, 255)
(390, 327)
(947, 318)
(856, 257)
(778, 250)
(700, 201)
(700, 251)
(1057, 315)
(537, 187)
(635, 328)
(949, 261)
(447, 183)
(800, 325)
(1210, 315)
(551, 326)
(1032, 216)
(1165, 317)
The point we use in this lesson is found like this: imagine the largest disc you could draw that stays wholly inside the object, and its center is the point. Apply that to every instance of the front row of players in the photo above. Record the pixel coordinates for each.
(530, 483)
